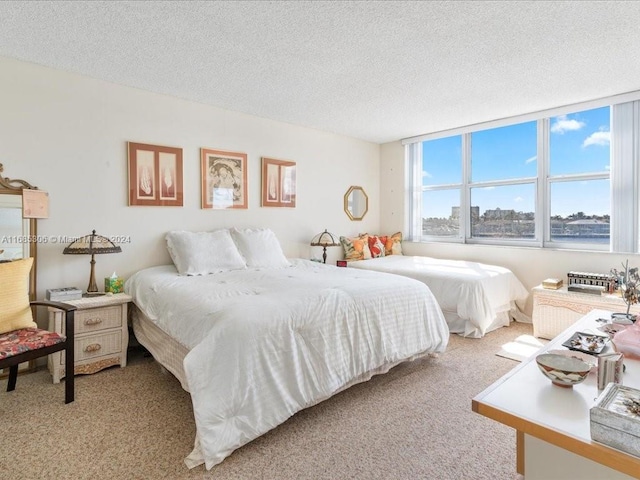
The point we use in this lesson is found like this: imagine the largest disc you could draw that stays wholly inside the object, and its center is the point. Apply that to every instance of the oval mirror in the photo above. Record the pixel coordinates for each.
(356, 203)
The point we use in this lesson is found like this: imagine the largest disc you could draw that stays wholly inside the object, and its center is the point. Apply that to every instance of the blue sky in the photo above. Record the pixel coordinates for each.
(579, 143)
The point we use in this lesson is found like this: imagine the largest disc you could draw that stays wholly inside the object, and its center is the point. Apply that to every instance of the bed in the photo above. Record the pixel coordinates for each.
(475, 298)
(255, 345)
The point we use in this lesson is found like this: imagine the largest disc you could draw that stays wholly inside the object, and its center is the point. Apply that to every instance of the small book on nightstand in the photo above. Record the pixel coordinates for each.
(552, 283)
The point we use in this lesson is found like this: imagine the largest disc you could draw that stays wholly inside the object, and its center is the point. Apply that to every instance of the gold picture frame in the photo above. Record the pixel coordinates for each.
(155, 175)
(223, 179)
(278, 183)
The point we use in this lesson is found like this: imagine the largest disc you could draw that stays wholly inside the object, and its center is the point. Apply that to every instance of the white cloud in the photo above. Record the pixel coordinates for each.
(532, 159)
(426, 174)
(518, 199)
(602, 138)
(564, 124)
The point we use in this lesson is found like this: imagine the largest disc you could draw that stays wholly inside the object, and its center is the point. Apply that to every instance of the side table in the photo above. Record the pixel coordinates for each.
(556, 310)
(553, 430)
(101, 334)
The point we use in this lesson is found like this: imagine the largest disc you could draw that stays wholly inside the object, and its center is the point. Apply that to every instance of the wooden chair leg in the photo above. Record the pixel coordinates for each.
(13, 375)
(69, 376)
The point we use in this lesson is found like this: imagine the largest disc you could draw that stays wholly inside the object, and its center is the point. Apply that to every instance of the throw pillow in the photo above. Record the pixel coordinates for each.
(376, 246)
(393, 244)
(356, 248)
(15, 311)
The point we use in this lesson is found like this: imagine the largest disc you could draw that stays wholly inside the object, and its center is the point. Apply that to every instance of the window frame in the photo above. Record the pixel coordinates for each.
(628, 134)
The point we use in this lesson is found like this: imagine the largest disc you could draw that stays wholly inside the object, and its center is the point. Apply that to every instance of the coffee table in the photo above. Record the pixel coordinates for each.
(552, 423)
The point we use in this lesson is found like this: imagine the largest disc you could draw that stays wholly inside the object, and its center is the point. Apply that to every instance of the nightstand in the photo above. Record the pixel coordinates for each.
(101, 334)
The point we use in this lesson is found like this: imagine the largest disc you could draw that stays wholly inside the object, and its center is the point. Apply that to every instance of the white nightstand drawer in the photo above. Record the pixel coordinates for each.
(96, 346)
(98, 319)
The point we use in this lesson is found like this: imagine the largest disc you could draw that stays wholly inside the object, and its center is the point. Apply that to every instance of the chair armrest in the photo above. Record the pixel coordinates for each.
(69, 318)
(59, 305)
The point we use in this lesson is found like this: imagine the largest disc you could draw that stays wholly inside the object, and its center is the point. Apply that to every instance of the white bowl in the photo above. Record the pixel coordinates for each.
(562, 370)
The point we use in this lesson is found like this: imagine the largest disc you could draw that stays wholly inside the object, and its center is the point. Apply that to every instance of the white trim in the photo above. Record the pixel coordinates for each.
(465, 192)
(624, 170)
(543, 190)
(413, 154)
(552, 112)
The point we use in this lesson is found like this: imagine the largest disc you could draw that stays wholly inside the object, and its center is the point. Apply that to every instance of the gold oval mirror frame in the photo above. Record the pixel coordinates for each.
(356, 203)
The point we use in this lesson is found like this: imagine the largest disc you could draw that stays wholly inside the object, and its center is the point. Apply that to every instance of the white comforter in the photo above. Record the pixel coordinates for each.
(266, 343)
(476, 292)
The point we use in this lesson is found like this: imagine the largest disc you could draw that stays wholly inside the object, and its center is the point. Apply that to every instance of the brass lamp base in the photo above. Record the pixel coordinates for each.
(93, 286)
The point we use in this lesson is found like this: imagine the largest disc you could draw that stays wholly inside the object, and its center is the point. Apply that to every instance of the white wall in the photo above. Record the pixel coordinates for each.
(531, 265)
(67, 134)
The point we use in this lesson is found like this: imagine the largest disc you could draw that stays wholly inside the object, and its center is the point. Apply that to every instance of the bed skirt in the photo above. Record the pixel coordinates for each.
(165, 350)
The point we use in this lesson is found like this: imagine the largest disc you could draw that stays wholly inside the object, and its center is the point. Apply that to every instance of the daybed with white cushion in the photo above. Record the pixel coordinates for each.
(475, 298)
(255, 337)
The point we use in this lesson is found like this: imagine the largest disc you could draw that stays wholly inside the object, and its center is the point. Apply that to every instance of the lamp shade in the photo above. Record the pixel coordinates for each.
(91, 245)
(324, 240)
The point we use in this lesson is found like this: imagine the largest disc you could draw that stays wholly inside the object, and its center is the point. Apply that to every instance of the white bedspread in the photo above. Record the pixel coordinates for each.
(266, 343)
(474, 291)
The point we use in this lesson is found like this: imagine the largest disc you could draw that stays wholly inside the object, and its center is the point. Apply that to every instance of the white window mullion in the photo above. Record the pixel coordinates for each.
(465, 193)
(543, 189)
(413, 154)
(624, 169)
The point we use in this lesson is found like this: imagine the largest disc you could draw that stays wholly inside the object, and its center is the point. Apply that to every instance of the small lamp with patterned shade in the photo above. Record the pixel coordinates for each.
(91, 245)
(324, 240)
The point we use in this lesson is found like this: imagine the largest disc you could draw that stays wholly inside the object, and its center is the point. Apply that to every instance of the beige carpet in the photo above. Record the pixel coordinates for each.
(521, 348)
(415, 422)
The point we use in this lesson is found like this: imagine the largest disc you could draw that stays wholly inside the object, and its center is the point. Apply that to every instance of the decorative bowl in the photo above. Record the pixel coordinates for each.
(611, 328)
(562, 370)
(585, 357)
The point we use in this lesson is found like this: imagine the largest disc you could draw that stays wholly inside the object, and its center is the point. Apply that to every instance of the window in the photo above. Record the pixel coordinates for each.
(441, 184)
(579, 187)
(507, 212)
(504, 153)
(547, 181)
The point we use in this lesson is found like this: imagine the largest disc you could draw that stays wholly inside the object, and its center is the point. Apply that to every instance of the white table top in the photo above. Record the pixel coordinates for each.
(527, 393)
(527, 400)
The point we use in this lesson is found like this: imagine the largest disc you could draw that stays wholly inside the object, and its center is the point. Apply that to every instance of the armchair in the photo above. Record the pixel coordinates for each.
(20, 338)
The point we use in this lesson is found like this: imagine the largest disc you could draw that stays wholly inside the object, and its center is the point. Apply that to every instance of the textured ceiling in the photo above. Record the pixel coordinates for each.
(379, 71)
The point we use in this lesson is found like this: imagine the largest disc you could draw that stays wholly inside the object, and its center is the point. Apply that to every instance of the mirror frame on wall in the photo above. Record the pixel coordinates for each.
(348, 208)
(9, 186)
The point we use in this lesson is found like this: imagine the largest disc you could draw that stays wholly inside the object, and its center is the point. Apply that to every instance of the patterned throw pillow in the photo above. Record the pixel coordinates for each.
(376, 246)
(356, 248)
(393, 244)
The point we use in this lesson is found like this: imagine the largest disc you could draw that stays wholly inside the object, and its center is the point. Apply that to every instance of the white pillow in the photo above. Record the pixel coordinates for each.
(201, 253)
(259, 248)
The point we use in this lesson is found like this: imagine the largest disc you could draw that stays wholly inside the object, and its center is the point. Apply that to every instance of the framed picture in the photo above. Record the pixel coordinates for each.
(155, 175)
(278, 183)
(224, 179)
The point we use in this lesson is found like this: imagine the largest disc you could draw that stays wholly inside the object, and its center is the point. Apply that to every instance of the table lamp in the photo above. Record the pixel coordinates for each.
(324, 240)
(91, 245)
